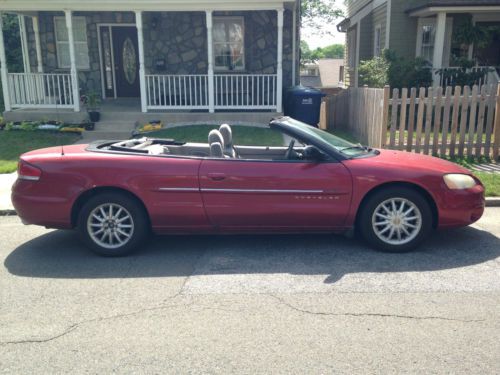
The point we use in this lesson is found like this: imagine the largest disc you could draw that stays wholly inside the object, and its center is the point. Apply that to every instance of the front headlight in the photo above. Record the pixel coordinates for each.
(459, 181)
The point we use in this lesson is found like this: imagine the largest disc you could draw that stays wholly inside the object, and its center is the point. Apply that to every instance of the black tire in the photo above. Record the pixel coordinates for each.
(137, 219)
(367, 226)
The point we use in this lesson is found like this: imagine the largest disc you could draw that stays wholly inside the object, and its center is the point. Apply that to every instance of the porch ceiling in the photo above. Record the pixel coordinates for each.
(455, 6)
(143, 5)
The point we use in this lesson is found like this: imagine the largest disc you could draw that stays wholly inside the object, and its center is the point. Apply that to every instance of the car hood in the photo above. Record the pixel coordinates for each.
(413, 161)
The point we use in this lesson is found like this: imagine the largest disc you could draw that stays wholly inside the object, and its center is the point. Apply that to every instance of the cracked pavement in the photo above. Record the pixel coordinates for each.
(250, 304)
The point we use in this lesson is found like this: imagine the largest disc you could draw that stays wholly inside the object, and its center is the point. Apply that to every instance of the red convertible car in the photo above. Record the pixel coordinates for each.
(116, 193)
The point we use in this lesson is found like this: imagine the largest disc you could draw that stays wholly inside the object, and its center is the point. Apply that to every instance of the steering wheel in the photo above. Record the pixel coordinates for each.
(289, 151)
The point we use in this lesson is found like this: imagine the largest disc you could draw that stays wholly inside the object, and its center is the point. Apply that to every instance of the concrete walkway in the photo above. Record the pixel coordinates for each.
(487, 167)
(6, 182)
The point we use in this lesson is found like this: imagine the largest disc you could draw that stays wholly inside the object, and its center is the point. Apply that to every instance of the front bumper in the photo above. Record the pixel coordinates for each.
(461, 207)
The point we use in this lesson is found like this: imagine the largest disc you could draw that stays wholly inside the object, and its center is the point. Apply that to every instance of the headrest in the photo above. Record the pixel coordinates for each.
(215, 136)
(216, 150)
(227, 134)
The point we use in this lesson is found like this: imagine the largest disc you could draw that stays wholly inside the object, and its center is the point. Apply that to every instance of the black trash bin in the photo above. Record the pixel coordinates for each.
(304, 104)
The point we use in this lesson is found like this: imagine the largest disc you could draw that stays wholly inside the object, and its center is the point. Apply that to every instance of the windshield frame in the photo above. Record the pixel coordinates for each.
(317, 137)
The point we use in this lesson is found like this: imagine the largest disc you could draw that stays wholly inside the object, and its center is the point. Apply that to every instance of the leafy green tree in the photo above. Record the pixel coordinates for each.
(315, 14)
(395, 71)
(334, 51)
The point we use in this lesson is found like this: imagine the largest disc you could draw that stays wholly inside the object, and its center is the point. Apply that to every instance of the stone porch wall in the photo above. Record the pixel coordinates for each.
(179, 38)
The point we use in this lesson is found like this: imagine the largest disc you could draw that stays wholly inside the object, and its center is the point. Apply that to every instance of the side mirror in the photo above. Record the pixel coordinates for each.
(312, 153)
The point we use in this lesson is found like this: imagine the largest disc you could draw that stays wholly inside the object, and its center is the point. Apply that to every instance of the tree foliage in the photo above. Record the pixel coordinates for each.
(334, 51)
(315, 14)
(395, 71)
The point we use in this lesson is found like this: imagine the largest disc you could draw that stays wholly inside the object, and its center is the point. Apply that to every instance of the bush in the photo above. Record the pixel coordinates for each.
(395, 71)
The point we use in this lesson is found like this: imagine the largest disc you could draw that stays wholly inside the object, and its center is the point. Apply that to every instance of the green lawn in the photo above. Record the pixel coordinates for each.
(15, 143)
(491, 182)
(242, 135)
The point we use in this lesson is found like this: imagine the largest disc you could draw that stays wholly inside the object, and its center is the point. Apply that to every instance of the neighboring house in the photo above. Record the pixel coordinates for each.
(413, 28)
(324, 73)
(191, 55)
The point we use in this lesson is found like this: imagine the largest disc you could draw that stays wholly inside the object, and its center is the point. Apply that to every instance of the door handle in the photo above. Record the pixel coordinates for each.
(217, 176)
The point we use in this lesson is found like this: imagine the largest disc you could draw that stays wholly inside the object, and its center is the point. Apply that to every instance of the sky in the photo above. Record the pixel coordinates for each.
(316, 41)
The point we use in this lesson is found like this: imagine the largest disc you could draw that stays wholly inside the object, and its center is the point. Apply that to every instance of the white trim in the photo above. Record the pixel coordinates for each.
(142, 70)
(279, 70)
(358, 40)
(24, 43)
(74, 73)
(294, 45)
(440, 34)
(430, 11)
(101, 65)
(4, 70)
(388, 25)
(142, 5)
(210, 54)
(378, 27)
(38, 45)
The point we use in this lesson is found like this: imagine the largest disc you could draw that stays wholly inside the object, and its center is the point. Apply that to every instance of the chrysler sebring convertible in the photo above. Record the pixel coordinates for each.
(116, 193)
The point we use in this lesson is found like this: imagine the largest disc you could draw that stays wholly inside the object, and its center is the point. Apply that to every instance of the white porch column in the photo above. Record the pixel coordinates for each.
(72, 56)
(24, 43)
(294, 46)
(36, 30)
(437, 60)
(142, 69)
(4, 71)
(279, 72)
(210, 53)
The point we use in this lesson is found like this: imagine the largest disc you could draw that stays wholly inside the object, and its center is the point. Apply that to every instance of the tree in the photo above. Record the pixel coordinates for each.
(334, 51)
(315, 14)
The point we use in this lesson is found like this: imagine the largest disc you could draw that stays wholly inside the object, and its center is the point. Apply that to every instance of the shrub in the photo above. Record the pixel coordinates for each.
(395, 71)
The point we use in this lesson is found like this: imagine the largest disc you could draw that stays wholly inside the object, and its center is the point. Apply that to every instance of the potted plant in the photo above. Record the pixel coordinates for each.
(92, 101)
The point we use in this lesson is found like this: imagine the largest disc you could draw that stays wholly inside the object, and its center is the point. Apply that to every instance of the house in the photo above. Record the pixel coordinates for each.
(155, 55)
(324, 73)
(425, 28)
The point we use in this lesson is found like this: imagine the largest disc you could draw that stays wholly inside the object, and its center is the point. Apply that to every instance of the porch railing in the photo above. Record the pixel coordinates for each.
(245, 91)
(451, 76)
(40, 90)
(231, 91)
(177, 91)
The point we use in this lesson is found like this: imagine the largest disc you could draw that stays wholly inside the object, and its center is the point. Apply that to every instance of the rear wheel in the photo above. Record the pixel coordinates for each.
(395, 220)
(112, 224)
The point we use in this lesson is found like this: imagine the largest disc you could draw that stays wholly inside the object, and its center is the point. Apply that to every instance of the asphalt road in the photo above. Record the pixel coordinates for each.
(252, 304)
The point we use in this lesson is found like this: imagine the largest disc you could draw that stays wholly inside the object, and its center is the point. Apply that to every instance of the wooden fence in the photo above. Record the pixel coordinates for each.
(451, 122)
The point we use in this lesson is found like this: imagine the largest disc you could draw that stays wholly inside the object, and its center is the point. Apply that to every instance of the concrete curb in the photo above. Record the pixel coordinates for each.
(493, 202)
(490, 202)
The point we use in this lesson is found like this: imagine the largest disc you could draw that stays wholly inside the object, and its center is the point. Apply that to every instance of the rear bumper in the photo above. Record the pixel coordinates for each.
(38, 208)
(461, 207)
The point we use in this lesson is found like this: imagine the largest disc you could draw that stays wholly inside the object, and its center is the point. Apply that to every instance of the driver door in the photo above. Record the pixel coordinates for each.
(267, 194)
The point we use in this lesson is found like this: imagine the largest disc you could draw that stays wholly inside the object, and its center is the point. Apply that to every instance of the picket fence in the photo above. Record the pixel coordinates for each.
(454, 121)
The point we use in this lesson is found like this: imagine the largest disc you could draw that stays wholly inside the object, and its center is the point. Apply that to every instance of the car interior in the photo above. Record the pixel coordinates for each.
(219, 145)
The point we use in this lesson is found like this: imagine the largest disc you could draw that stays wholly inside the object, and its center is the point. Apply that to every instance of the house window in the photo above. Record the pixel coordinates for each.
(81, 45)
(229, 43)
(426, 36)
(377, 43)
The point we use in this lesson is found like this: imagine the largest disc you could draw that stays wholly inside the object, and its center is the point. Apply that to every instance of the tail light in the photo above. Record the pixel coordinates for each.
(28, 172)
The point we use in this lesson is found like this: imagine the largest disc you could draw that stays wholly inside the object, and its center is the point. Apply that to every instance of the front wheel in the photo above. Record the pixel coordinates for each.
(112, 224)
(395, 220)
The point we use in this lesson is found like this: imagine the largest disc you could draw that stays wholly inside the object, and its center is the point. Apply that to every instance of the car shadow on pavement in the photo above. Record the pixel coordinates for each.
(59, 254)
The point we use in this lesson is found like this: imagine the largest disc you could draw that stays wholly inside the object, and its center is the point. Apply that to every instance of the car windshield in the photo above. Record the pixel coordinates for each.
(347, 148)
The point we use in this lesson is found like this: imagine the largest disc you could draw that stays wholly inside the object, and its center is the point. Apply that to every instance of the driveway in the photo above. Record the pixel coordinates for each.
(250, 304)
